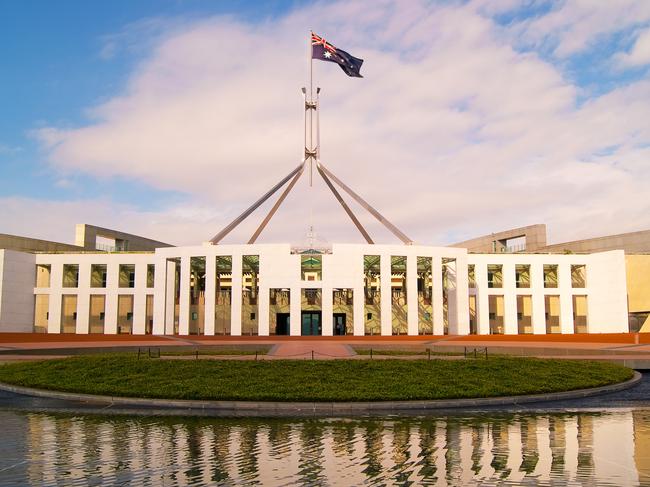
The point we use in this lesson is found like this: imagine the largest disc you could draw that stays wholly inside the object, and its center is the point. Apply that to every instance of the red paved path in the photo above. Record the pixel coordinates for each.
(606, 346)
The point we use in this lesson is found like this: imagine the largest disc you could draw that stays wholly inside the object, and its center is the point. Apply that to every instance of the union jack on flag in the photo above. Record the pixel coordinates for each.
(323, 50)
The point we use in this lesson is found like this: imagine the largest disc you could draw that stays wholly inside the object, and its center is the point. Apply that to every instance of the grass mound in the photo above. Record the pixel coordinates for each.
(303, 380)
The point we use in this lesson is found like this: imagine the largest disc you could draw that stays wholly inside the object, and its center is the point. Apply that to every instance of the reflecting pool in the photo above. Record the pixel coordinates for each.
(581, 448)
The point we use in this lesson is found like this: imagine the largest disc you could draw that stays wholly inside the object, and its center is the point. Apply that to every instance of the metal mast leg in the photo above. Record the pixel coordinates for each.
(396, 231)
(344, 205)
(219, 236)
(276, 206)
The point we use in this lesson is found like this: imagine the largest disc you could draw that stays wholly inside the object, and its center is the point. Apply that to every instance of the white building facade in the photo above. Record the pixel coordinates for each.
(272, 289)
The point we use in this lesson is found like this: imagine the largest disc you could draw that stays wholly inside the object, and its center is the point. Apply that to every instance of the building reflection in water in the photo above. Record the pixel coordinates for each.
(610, 448)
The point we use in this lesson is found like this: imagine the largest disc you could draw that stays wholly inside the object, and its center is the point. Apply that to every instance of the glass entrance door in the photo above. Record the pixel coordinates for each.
(311, 323)
(339, 324)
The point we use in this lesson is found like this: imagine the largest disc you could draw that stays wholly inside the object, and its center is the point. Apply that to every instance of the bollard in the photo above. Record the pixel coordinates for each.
(149, 352)
(197, 355)
(138, 353)
(255, 355)
(312, 355)
(429, 353)
(371, 354)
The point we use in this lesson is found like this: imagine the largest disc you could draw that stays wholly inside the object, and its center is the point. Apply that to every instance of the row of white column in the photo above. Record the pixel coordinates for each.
(458, 315)
(84, 291)
(537, 292)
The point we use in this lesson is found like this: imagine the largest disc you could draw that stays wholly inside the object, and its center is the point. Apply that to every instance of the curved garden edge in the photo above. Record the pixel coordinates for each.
(325, 408)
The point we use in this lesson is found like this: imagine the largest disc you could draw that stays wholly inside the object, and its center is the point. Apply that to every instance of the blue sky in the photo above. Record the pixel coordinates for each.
(148, 116)
(54, 68)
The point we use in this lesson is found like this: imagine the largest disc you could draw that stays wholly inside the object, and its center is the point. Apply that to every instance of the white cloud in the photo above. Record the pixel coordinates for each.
(575, 25)
(639, 54)
(451, 133)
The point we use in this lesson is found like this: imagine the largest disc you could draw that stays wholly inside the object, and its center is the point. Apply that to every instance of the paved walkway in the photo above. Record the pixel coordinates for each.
(629, 348)
(312, 349)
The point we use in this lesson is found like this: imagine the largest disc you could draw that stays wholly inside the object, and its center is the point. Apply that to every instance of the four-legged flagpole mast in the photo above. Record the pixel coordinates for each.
(311, 155)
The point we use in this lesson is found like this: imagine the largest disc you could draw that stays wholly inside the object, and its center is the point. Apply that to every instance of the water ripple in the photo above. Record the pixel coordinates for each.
(577, 449)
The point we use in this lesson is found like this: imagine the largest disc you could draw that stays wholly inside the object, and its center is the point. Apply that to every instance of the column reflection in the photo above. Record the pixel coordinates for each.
(578, 448)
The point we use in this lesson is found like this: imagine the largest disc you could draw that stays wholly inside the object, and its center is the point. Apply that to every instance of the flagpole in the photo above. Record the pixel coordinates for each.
(311, 99)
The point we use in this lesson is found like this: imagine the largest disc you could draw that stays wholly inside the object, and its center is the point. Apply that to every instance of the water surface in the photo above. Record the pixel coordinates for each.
(582, 448)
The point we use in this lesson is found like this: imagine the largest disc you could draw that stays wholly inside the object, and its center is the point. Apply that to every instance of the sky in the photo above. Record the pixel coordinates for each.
(167, 118)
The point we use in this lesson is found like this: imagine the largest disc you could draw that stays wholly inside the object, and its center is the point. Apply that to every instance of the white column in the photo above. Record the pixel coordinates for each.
(210, 293)
(54, 308)
(566, 298)
(462, 298)
(412, 293)
(263, 310)
(482, 299)
(112, 291)
(83, 298)
(386, 293)
(140, 299)
(184, 309)
(510, 299)
(328, 311)
(436, 298)
(235, 310)
(537, 298)
(295, 319)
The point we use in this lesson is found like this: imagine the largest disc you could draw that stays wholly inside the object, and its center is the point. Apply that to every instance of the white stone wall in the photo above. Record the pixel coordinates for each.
(342, 268)
(17, 279)
(83, 291)
(605, 290)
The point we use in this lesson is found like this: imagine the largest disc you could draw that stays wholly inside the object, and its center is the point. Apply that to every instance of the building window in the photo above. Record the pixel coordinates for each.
(495, 275)
(372, 294)
(41, 312)
(127, 275)
(425, 295)
(524, 314)
(311, 267)
(43, 272)
(471, 276)
(98, 275)
(97, 313)
(448, 285)
(250, 290)
(279, 311)
(522, 275)
(148, 324)
(71, 275)
(398, 287)
(550, 276)
(151, 273)
(124, 313)
(223, 295)
(69, 313)
(197, 295)
(552, 314)
(579, 276)
(473, 322)
(496, 314)
(580, 314)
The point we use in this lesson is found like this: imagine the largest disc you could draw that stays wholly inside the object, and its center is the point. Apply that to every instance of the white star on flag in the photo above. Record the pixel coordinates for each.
(327, 54)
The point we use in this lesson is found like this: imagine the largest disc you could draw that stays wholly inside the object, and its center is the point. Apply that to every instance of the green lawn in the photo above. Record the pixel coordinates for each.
(304, 380)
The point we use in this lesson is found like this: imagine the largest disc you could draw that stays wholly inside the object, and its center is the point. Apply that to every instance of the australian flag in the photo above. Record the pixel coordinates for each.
(323, 50)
